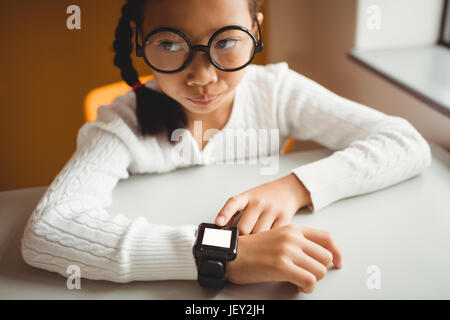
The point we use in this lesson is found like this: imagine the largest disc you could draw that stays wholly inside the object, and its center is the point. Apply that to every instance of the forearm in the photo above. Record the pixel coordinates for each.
(392, 153)
(108, 248)
(373, 150)
(71, 225)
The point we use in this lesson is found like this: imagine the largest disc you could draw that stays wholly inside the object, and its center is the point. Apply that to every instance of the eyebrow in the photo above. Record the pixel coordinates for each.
(189, 34)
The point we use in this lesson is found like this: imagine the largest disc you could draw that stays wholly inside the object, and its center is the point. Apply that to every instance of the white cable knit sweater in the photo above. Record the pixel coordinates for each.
(71, 225)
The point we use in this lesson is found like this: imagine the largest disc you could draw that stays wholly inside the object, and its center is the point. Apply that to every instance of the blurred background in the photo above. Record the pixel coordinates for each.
(47, 69)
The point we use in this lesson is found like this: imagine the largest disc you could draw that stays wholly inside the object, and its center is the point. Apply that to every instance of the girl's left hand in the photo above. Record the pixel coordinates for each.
(266, 206)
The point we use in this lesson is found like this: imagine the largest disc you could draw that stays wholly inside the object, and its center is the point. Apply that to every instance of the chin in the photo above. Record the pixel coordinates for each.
(204, 109)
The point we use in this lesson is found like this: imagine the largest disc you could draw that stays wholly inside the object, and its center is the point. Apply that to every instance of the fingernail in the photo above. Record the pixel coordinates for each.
(220, 220)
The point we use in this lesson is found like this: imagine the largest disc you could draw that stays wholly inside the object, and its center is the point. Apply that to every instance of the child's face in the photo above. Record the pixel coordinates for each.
(198, 20)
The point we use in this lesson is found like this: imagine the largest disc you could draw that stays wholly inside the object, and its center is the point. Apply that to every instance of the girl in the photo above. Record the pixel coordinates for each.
(221, 89)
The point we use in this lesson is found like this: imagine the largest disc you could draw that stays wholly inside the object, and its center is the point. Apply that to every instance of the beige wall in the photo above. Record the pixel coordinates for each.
(313, 36)
(46, 72)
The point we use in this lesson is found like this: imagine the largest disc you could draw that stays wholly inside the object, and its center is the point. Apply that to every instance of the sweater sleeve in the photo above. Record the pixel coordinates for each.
(72, 226)
(371, 149)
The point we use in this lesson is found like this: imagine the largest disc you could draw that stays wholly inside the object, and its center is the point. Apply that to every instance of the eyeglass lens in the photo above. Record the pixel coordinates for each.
(230, 49)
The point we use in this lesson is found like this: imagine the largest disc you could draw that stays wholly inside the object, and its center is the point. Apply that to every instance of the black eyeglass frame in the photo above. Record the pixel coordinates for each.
(140, 51)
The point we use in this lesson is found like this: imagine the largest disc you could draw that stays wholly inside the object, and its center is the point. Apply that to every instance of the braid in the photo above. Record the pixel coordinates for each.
(156, 112)
(123, 45)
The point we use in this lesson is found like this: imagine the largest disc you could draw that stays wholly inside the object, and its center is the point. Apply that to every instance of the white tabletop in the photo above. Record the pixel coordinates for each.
(403, 230)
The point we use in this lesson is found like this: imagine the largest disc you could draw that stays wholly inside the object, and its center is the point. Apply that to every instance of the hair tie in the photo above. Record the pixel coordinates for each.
(137, 85)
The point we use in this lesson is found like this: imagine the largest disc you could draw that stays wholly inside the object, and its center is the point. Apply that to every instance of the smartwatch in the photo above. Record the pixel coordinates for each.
(214, 246)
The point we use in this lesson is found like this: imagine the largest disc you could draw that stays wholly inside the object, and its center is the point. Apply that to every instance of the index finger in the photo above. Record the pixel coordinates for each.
(232, 206)
(324, 239)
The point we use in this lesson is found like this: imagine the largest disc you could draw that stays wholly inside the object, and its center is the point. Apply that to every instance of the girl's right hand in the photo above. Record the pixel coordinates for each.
(291, 253)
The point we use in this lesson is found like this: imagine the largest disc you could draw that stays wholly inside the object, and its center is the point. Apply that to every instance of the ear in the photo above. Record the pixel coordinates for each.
(260, 18)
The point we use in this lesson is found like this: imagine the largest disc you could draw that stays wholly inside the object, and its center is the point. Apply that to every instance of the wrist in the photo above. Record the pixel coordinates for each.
(234, 268)
(300, 193)
(213, 249)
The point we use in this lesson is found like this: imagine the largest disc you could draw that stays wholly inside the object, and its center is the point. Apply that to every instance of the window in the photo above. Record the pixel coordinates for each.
(417, 58)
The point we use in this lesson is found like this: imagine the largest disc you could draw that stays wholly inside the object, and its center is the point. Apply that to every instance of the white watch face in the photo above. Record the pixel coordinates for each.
(217, 238)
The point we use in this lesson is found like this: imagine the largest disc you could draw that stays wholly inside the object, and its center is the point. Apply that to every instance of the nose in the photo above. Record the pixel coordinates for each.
(201, 71)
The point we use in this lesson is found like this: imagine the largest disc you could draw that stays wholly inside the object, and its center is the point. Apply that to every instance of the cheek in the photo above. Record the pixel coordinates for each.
(169, 85)
(232, 79)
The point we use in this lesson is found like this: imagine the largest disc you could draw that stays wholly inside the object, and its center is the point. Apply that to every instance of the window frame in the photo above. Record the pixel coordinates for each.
(445, 25)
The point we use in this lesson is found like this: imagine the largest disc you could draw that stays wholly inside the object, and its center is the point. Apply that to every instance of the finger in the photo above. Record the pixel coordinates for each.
(324, 239)
(317, 252)
(300, 277)
(281, 221)
(310, 264)
(249, 217)
(235, 219)
(264, 222)
(233, 205)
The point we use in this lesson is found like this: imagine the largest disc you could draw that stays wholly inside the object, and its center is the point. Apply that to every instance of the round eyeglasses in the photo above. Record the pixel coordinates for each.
(230, 48)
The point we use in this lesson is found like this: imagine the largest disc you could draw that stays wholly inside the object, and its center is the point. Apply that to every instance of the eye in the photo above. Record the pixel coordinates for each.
(169, 46)
(226, 43)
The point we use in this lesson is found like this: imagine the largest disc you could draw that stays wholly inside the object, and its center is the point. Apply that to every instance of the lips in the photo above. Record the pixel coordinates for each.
(203, 100)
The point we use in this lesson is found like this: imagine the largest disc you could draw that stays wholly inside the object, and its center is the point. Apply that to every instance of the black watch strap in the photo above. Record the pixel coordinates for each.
(212, 271)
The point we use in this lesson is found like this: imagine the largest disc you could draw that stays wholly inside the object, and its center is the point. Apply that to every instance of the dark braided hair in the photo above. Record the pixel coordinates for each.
(156, 112)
